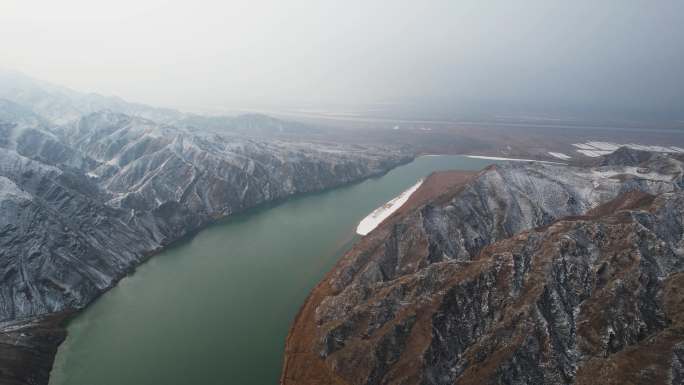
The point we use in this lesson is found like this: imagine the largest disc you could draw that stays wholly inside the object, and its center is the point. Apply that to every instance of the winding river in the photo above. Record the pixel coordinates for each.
(215, 308)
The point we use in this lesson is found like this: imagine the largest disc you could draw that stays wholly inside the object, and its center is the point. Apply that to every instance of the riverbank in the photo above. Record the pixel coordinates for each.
(301, 364)
(39, 337)
(235, 285)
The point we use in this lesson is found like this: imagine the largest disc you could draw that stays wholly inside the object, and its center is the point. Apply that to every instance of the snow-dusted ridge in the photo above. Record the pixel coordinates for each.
(643, 173)
(516, 236)
(377, 216)
(595, 149)
(116, 188)
(9, 190)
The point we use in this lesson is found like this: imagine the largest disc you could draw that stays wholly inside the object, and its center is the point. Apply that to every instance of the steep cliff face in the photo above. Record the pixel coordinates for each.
(28, 346)
(526, 274)
(83, 204)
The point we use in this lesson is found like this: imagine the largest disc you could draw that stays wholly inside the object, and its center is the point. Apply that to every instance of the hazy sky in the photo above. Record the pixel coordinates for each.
(600, 53)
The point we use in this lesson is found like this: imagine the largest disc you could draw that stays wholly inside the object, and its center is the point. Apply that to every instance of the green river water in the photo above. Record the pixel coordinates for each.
(216, 308)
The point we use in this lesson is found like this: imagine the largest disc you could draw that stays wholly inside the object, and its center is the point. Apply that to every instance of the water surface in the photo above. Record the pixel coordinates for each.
(216, 308)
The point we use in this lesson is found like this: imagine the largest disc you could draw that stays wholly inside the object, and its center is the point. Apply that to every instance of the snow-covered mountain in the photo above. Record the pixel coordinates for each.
(91, 186)
(58, 105)
(61, 105)
(519, 274)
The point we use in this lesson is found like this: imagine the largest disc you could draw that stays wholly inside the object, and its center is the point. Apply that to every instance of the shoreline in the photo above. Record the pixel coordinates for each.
(302, 365)
(378, 215)
(53, 334)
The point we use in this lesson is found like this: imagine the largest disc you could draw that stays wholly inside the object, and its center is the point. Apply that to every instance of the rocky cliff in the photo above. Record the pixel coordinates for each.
(82, 205)
(522, 274)
(84, 201)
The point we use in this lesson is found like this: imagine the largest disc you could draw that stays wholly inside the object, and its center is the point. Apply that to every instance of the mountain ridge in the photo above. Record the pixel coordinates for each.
(501, 283)
(87, 195)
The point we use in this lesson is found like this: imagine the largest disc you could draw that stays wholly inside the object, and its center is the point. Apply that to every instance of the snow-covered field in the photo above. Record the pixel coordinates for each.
(560, 155)
(594, 153)
(378, 215)
(595, 149)
(583, 146)
(510, 159)
(599, 173)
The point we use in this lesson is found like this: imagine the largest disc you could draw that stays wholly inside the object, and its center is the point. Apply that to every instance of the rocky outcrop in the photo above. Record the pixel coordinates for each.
(525, 274)
(27, 348)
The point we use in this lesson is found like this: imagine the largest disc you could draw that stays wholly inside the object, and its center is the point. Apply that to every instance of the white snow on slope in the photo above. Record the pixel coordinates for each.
(643, 173)
(10, 191)
(596, 149)
(510, 159)
(594, 153)
(583, 146)
(378, 215)
(560, 155)
(606, 146)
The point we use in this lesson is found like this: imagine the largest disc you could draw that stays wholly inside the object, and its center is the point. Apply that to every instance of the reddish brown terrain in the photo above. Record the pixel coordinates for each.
(509, 276)
(300, 361)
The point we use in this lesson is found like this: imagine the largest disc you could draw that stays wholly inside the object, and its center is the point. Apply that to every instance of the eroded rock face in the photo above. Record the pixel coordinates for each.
(83, 204)
(27, 348)
(528, 274)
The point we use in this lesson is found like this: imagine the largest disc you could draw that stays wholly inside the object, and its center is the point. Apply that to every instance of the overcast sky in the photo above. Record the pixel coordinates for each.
(599, 53)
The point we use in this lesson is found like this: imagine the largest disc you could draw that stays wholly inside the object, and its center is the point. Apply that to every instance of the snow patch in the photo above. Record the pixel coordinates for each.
(378, 215)
(636, 171)
(559, 155)
(510, 159)
(582, 146)
(596, 149)
(606, 146)
(9, 190)
(594, 153)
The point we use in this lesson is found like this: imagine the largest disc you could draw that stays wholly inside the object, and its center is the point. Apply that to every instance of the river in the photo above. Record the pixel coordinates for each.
(215, 308)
